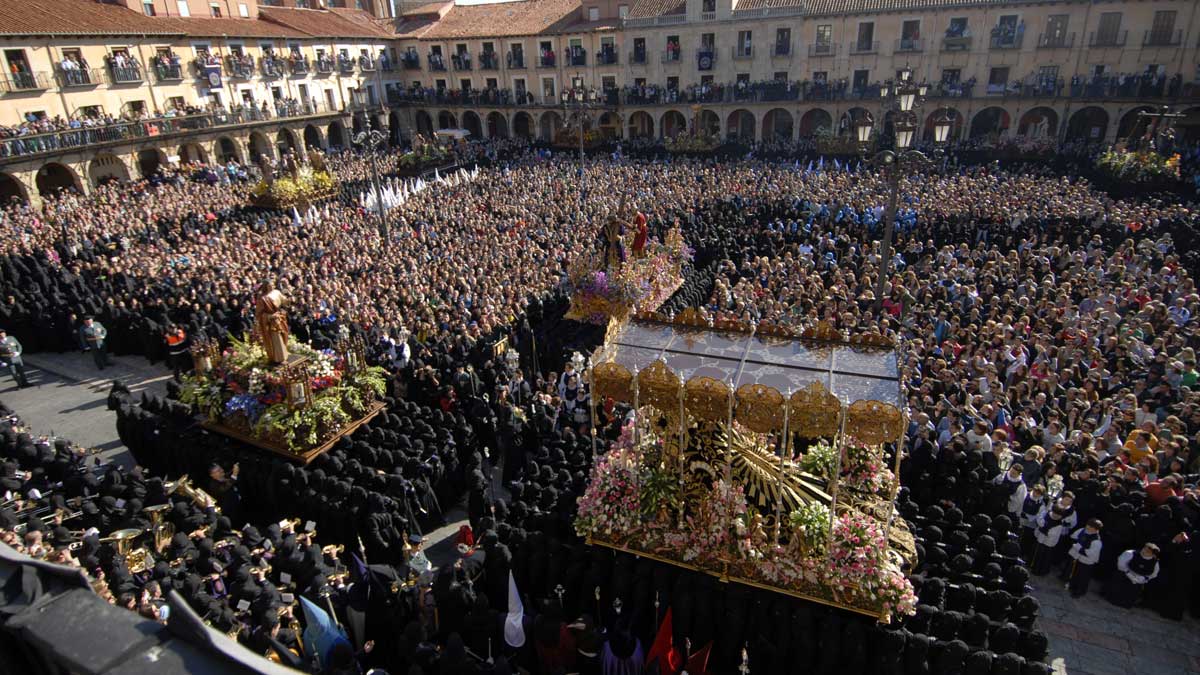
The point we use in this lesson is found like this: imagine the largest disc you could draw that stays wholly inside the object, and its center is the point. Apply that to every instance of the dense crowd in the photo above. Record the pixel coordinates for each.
(1048, 332)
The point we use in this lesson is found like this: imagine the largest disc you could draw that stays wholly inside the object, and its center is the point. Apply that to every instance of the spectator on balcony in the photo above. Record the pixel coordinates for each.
(71, 70)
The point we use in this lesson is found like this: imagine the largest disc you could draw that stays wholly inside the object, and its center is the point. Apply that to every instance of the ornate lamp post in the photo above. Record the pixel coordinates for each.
(372, 141)
(579, 102)
(901, 98)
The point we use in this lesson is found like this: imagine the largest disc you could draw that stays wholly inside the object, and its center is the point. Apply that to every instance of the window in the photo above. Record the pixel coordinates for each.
(622, 11)
(910, 35)
(781, 76)
(243, 10)
(608, 82)
(824, 35)
(704, 79)
(465, 84)
(866, 36)
(745, 44)
(1008, 32)
(861, 78)
(743, 78)
(96, 111)
(519, 87)
(1109, 30)
(1048, 74)
(491, 83)
(783, 41)
(182, 7)
(548, 89)
(303, 92)
(1163, 29)
(1056, 28)
(952, 75)
(957, 27)
(175, 102)
(593, 13)
(215, 10)
(440, 85)
(148, 7)
(998, 80)
(709, 6)
(708, 40)
(820, 77)
(673, 83)
(639, 50)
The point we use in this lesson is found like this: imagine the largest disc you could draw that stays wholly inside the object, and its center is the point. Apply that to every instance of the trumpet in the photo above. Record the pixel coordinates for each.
(333, 550)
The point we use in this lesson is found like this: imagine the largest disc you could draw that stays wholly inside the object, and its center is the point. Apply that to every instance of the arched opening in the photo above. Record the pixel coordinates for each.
(777, 123)
(149, 161)
(259, 145)
(394, 137)
(285, 142)
(523, 125)
(446, 120)
(641, 125)
(672, 124)
(472, 124)
(497, 125)
(1088, 124)
(1132, 124)
(192, 152)
(610, 125)
(12, 189)
(710, 123)
(740, 125)
(845, 122)
(106, 168)
(53, 178)
(991, 122)
(228, 150)
(956, 124)
(549, 125)
(816, 122)
(424, 124)
(336, 135)
(1038, 123)
(312, 137)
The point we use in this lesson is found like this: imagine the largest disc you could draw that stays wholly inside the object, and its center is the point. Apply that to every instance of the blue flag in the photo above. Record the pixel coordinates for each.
(321, 633)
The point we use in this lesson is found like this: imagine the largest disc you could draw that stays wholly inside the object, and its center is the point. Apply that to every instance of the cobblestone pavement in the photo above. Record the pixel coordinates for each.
(1089, 636)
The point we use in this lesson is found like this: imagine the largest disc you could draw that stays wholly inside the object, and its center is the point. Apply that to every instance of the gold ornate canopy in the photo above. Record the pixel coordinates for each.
(820, 379)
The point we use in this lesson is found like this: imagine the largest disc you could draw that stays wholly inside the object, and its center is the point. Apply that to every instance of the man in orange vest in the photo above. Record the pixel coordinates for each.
(177, 349)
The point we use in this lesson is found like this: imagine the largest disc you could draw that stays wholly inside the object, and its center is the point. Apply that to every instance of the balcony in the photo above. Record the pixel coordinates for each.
(637, 58)
(909, 46)
(367, 64)
(606, 58)
(515, 61)
(956, 43)
(1056, 41)
(24, 81)
(239, 67)
(323, 65)
(411, 61)
(436, 62)
(577, 57)
(708, 16)
(124, 72)
(1003, 40)
(345, 65)
(864, 47)
(271, 67)
(489, 61)
(298, 65)
(546, 60)
(169, 72)
(1110, 38)
(79, 77)
(385, 64)
(461, 61)
(743, 53)
(1162, 38)
(671, 55)
(159, 128)
(819, 49)
(781, 50)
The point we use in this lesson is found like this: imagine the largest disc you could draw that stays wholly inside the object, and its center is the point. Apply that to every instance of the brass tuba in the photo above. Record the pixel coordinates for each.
(163, 531)
(199, 497)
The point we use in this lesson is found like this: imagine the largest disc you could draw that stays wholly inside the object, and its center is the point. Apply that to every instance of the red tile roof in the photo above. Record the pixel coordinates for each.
(228, 27)
(504, 19)
(431, 8)
(838, 7)
(75, 17)
(335, 23)
(647, 9)
(743, 5)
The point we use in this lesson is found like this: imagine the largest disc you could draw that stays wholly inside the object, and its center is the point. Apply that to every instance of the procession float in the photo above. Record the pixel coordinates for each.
(293, 183)
(276, 393)
(630, 272)
(752, 452)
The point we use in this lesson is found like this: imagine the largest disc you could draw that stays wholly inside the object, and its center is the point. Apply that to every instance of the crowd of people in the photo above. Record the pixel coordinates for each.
(1048, 338)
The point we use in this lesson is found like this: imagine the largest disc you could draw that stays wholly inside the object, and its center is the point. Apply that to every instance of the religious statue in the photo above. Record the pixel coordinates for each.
(614, 244)
(271, 322)
(641, 234)
(266, 167)
(291, 165)
(316, 159)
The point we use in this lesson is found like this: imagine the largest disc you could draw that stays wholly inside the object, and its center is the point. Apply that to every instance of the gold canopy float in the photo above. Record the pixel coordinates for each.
(755, 454)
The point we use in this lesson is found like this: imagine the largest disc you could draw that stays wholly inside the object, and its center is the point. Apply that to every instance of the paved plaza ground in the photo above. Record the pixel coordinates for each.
(1087, 636)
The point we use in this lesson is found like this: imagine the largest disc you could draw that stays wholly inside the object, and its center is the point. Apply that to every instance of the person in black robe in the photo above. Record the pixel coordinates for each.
(1135, 569)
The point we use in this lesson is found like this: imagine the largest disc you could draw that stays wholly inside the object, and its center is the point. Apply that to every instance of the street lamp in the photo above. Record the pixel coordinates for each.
(901, 98)
(372, 141)
(579, 102)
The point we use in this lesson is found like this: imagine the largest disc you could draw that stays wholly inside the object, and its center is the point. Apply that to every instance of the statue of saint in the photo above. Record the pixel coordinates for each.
(266, 167)
(291, 165)
(316, 159)
(271, 322)
(614, 244)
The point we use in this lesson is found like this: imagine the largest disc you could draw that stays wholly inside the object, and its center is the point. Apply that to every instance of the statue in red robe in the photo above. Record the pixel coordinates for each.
(639, 240)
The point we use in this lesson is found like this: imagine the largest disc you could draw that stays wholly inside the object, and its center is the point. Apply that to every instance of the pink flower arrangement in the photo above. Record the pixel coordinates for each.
(863, 469)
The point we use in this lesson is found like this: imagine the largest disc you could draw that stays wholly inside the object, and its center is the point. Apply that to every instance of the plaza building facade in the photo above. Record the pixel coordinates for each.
(95, 91)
